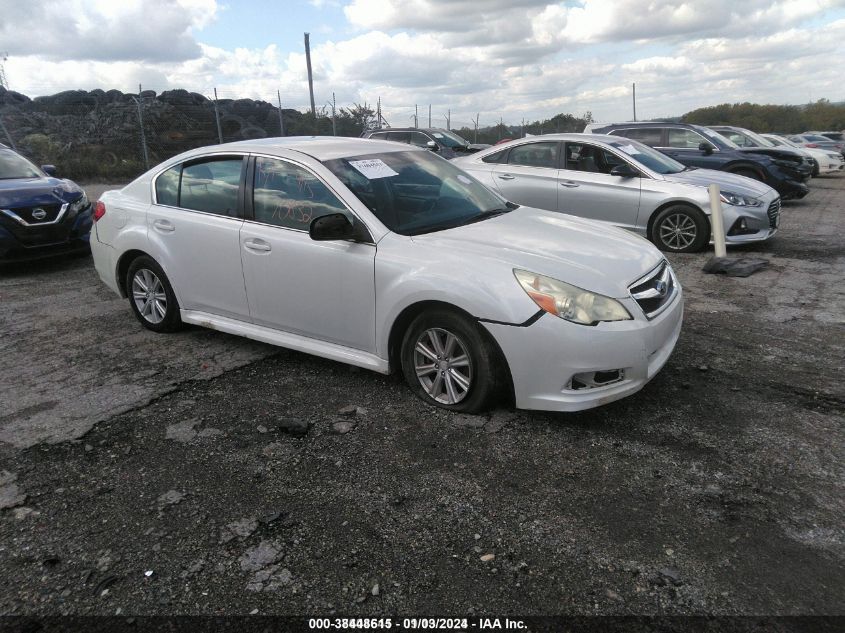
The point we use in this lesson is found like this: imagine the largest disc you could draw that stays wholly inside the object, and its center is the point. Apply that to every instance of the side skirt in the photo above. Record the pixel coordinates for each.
(297, 342)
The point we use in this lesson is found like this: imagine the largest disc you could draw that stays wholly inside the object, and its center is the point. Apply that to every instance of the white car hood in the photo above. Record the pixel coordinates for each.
(727, 182)
(591, 255)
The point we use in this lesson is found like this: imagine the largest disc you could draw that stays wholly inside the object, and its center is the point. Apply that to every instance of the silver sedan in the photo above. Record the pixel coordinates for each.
(627, 184)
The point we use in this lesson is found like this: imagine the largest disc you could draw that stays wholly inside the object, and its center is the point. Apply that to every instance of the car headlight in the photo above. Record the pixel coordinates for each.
(739, 201)
(80, 204)
(570, 302)
(834, 156)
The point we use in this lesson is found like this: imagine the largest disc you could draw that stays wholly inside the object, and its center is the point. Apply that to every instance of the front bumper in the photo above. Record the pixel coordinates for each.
(72, 239)
(544, 357)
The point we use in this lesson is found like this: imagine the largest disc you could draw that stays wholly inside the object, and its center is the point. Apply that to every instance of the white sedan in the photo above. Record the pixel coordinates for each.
(828, 161)
(387, 257)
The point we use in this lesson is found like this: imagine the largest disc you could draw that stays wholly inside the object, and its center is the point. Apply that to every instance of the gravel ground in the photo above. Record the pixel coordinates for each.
(153, 474)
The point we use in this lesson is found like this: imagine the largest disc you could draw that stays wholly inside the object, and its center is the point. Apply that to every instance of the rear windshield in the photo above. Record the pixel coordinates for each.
(14, 165)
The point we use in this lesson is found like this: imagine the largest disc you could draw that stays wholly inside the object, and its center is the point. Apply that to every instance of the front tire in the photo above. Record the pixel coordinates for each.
(680, 229)
(151, 296)
(448, 362)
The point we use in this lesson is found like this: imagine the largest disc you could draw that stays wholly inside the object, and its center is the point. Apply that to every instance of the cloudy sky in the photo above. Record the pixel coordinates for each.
(512, 59)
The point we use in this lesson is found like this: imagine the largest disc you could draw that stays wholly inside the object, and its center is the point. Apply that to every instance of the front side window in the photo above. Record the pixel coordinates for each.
(685, 139)
(534, 155)
(211, 186)
(288, 195)
(419, 139)
(589, 158)
(415, 192)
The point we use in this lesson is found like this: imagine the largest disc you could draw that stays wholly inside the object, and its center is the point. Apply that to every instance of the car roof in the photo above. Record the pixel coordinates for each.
(561, 136)
(319, 147)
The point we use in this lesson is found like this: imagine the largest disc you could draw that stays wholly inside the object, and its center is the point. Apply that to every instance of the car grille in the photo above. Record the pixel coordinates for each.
(654, 291)
(42, 214)
(773, 212)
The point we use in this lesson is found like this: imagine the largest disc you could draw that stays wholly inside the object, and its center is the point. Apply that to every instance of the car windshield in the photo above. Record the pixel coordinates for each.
(815, 138)
(779, 140)
(14, 165)
(762, 141)
(449, 139)
(717, 139)
(648, 157)
(416, 192)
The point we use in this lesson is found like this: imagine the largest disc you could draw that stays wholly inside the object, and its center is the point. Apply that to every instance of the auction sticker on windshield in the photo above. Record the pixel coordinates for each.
(373, 169)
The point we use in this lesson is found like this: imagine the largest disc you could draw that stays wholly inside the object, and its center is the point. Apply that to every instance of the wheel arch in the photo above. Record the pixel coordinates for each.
(404, 319)
(672, 203)
(123, 264)
(736, 166)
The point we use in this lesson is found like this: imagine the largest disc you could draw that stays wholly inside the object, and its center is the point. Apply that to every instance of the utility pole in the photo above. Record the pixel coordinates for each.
(334, 127)
(429, 115)
(310, 76)
(217, 118)
(3, 58)
(281, 118)
(378, 113)
(477, 116)
(416, 115)
(449, 119)
(522, 129)
(635, 100)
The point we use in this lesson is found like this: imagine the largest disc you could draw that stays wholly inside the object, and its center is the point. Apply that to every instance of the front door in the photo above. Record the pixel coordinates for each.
(323, 290)
(589, 190)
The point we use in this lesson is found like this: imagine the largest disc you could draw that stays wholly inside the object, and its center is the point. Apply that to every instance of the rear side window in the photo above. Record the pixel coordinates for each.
(167, 187)
(288, 195)
(211, 186)
(534, 155)
(648, 135)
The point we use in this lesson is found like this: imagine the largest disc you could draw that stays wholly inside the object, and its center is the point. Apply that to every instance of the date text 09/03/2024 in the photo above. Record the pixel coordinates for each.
(436, 624)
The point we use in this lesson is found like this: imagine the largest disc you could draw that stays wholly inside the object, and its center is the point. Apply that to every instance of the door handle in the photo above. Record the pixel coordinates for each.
(257, 245)
(506, 176)
(165, 226)
(568, 183)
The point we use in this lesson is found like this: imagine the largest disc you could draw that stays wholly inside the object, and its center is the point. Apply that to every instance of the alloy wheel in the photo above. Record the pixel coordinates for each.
(678, 231)
(443, 366)
(149, 295)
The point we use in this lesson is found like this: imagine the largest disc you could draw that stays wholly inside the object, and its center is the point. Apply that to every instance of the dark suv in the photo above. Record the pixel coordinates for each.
(698, 146)
(40, 215)
(448, 144)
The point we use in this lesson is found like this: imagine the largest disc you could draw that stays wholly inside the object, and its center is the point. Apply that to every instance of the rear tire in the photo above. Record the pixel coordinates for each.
(151, 296)
(449, 362)
(680, 229)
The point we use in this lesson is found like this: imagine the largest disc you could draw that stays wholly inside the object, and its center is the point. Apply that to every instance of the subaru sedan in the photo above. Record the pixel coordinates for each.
(391, 258)
(627, 184)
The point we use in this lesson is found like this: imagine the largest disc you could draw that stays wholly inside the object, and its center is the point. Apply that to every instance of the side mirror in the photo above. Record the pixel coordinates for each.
(50, 170)
(432, 146)
(337, 226)
(625, 171)
(705, 147)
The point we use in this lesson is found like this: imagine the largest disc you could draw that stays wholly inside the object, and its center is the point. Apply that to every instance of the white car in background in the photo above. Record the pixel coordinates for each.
(388, 257)
(627, 184)
(827, 161)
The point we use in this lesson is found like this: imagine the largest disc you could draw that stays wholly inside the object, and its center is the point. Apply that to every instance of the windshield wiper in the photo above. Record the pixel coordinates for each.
(484, 215)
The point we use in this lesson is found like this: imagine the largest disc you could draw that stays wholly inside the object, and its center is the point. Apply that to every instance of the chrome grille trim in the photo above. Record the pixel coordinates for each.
(655, 290)
(11, 214)
(773, 211)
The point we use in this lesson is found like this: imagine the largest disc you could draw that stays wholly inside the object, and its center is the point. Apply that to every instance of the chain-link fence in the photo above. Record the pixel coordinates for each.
(110, 136)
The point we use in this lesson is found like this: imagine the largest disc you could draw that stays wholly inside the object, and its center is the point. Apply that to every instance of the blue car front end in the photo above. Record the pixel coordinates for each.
(40, 216)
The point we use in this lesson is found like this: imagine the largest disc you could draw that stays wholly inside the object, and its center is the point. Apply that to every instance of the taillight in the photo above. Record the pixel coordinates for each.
(811, 145)
(99, 210)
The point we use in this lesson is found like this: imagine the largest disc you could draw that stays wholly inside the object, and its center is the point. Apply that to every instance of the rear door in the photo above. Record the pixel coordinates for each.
(588, 190)
(530, 175)
(193, 228)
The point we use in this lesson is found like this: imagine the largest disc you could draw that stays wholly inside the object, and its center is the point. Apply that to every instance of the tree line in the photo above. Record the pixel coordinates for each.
(821, 115)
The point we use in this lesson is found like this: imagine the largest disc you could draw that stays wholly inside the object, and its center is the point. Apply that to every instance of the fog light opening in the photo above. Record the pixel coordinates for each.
(593, 379)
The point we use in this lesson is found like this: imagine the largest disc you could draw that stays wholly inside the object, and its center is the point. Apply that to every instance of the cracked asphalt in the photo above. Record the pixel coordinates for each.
(200, 473)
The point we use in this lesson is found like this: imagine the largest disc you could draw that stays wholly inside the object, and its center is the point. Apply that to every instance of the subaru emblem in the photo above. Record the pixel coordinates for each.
(39, 214)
